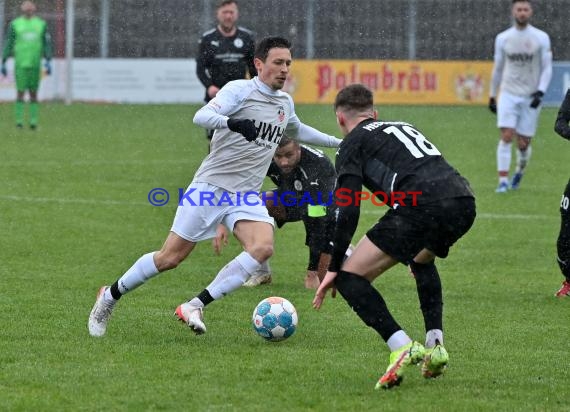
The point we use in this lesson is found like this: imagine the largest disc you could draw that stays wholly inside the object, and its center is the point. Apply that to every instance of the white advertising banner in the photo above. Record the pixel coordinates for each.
(117, 81)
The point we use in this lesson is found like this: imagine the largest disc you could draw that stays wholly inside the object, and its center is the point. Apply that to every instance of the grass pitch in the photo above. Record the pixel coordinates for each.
(74, 215)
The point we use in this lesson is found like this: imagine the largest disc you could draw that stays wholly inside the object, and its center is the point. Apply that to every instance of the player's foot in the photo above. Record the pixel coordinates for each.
(100, 314)
(257, 279)
(33, 126)
(564, 290)
(192, 316)
(502, 188)
(312, 280)
(410, 354)
(435, 361)
(516, 181)
(19, 125)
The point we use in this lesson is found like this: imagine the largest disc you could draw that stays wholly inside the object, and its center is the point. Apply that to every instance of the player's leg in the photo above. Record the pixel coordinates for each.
(449, 220)
(33, 86)
(174, 251)
(507, 116)
(353, 282)
(21, 85)
(253, 227)
(563, 243)
(281, 215)
(525, 129)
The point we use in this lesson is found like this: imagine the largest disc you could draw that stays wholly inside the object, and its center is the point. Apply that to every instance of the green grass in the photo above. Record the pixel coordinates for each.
(74, 215)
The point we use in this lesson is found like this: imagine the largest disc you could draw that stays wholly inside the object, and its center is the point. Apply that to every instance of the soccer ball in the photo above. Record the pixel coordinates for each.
(275, 319)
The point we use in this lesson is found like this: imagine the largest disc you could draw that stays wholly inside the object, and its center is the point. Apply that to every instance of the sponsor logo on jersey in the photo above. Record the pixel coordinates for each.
(281, 114)
(215, 43)
(269, 132)
(520, 57)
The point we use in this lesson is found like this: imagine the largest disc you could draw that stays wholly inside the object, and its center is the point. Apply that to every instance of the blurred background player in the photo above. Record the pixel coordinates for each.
(563, 244)
(298, 171)
(28, 40)
(522, 70)
(393, 157)
(225, 52)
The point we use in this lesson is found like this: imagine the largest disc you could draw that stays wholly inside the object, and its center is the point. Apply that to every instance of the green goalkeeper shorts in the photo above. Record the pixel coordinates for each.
(28, 78)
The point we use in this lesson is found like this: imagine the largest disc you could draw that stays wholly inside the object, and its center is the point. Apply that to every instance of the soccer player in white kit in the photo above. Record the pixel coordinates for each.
(522, 71)
(249, 117)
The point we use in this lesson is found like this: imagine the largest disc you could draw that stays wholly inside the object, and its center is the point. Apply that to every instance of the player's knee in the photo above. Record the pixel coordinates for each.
(166, 261)
(261, 252)
(507, 135)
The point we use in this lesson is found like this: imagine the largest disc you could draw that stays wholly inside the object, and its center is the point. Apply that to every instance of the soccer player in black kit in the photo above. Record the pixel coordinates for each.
(392, 158)
(225, 52)
(305, 179)
(563, 244)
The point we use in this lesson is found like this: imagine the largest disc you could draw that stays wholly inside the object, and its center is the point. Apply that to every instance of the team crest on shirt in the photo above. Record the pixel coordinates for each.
(238, 43)
(298, 185)
(281, 114)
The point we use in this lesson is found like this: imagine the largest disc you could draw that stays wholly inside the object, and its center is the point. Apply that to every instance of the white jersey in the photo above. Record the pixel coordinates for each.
(235, 164)
(523, 61)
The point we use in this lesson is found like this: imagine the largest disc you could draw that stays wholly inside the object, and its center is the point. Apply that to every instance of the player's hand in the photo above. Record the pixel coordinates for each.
(3, 70)
(493, 105)
(536, 99)
(246, 127)
(47, 66)
(213, 91)
(220, 240)
(326, 284)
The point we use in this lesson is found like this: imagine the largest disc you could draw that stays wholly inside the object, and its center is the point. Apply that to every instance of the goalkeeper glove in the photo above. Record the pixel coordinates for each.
(245, 127)
(47, 66)
(536, 99)
(3, 70)
(492, 105)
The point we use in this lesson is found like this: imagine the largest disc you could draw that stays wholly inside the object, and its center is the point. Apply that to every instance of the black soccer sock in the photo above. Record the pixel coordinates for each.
(367, 302)
(115, 291)
(563, 248)
(205, 297)
(428, 285)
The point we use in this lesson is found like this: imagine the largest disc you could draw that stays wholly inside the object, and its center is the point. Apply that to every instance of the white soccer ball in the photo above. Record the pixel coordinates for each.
(275, 319)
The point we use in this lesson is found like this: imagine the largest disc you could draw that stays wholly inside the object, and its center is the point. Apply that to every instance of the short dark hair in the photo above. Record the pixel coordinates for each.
(268, 43)
(225, 3)
(355, 97)
(520, 1)
(286, 140)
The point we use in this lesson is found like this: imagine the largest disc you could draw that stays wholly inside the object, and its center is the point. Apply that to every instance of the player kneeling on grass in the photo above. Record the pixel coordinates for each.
(389, 157)
(305, 179)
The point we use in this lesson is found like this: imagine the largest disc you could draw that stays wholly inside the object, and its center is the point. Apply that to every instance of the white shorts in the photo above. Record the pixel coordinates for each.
(514, 112)
(203, 208)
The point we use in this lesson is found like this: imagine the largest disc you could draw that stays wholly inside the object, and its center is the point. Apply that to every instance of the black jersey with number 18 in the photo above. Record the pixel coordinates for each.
(396, 157)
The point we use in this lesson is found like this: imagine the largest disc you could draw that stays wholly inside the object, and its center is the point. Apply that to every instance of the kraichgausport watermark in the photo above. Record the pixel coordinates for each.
(159, 196)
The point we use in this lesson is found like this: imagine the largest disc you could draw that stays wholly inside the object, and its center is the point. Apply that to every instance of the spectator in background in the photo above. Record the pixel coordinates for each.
(225, 52)
(522, 69)
(563, 244)
(28, 40)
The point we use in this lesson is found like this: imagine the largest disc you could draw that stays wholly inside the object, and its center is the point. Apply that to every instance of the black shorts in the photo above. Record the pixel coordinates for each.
(403, 232)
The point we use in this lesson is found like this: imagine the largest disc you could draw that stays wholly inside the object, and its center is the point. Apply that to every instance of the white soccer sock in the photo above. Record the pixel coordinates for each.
(397, 340)
(233, 275)
(433, 335)
(522, 158)
(504, 158)
(139, 273)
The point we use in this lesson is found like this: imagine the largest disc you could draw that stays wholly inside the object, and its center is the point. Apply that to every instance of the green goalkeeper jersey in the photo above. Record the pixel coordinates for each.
(28, 41)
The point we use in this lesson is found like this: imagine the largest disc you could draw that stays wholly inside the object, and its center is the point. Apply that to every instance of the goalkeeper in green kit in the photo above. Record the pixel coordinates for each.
(28, 41)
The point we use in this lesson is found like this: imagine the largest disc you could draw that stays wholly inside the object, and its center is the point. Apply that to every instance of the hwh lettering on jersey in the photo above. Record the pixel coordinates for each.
(269, 132)
(520, 57)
